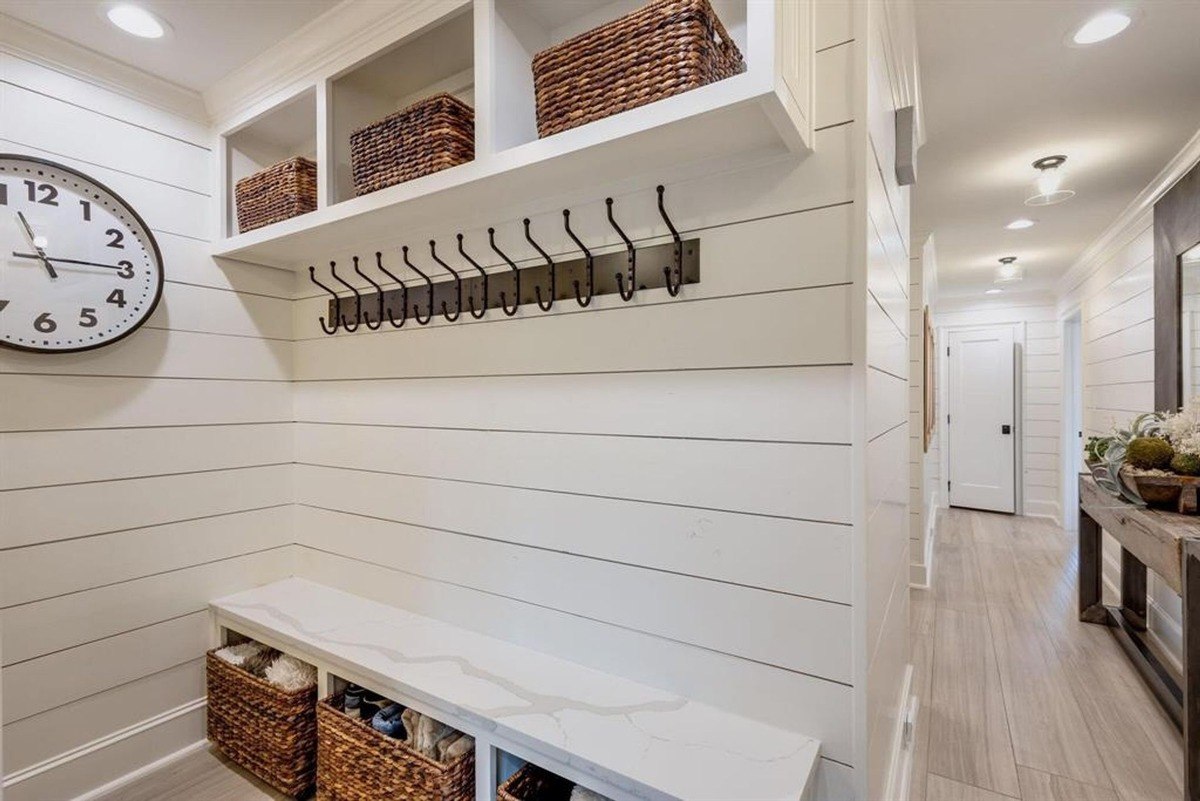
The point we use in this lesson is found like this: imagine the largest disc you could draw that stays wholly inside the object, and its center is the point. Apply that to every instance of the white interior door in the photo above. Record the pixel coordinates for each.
(981, 422)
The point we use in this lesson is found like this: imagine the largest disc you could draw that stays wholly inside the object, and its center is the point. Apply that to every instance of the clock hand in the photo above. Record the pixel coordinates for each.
(67, 261)
(41, 253)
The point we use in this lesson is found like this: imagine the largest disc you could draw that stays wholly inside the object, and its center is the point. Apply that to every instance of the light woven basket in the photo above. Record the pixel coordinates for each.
(268, 731)
(663, 49)
(280, 192)
(357, 763)
(435, 134)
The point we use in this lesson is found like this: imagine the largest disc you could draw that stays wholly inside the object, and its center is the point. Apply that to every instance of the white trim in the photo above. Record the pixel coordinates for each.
(900, 762)
(921, 576)
(101, 743)
(145, 770)
(1132, 219)
(62, 55)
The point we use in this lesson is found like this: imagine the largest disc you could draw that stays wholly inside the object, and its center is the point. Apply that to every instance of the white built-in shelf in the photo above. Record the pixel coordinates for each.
(624, 739)
(480, 50)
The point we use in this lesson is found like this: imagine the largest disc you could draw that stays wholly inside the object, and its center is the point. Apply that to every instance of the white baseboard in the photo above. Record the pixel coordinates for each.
(145, 770)
(921, 576)
(59, 761)
(900, 760)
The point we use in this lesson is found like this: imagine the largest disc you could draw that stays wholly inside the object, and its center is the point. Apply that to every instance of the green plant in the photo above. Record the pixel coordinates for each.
(1094, 448)
(1186, 464)
(1108, 472)
(1149, 453)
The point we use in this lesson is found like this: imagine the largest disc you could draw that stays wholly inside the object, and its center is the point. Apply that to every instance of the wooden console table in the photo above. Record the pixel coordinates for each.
(1169, 544)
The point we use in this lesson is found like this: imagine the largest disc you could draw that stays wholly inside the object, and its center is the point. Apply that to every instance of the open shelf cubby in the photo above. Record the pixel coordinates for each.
(436, 59)
(285, 131)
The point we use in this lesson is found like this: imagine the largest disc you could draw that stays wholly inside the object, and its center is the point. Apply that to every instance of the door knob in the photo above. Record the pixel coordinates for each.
(1006, 429)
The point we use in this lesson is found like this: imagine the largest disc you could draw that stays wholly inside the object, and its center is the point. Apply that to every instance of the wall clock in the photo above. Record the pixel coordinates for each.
(80, 268)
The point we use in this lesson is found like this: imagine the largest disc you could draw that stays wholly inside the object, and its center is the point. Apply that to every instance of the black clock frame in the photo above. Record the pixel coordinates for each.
(149, 236)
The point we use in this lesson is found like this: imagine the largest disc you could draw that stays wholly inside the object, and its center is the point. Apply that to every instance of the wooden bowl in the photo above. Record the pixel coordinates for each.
(1174, 492)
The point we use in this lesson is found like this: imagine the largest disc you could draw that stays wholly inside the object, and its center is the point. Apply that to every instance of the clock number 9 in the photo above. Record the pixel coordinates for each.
(45, 323)
(126, 270)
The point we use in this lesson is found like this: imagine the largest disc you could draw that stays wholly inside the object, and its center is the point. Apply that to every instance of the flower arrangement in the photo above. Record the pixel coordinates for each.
(1155, 445)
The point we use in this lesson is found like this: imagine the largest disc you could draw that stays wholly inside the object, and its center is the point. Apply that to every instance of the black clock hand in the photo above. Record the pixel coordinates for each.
(67, 261)
(41, 253)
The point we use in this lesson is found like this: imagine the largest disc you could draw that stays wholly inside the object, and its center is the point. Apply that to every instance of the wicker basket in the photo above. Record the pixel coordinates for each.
(532, 783)
(280, 192)
(357, 763)
(268, 731)
(432, 135)
(663, 49)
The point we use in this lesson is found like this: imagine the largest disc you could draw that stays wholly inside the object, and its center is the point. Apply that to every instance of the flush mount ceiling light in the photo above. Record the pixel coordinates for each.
(1048, 186)
(993, 291)
(1008, 271)
(137, 21)
(1101, 27)
(1018, 224)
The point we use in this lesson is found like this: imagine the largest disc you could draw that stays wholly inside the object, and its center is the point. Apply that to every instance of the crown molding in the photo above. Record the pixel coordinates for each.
(35, 44)
(1132, 220)
(346, 33)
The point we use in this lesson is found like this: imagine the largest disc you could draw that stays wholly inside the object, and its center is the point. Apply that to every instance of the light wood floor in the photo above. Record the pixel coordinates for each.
(1018, 698)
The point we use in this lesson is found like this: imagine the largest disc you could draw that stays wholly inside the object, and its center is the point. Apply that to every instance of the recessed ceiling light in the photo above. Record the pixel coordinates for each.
(1018, 224)
(993, 291)
(1101, 27)
(137, 21)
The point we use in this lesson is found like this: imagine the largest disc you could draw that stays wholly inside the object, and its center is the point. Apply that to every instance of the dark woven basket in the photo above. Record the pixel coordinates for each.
(357, 763)
(268, 731)
(532, 783)
(280, 192)
(432, 135)
(663, 49)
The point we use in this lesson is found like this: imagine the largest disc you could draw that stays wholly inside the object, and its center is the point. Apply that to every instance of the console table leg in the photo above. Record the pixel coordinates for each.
(1191, 669)
(1091, 606)
(1133, 590)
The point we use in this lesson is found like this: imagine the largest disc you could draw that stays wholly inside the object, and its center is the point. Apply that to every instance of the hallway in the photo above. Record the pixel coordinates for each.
(1019, 699)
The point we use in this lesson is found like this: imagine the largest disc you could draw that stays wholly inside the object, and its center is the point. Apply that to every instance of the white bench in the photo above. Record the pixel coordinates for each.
(615, 736)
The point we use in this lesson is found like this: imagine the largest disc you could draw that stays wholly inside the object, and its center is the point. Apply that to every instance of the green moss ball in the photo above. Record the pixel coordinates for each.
(1150, 453)
(1186, 464)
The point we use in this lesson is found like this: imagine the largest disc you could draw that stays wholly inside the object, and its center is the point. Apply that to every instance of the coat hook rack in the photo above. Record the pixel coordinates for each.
(583, 274)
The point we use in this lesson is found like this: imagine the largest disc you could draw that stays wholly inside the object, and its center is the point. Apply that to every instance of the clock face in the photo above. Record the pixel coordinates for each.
(79, 268)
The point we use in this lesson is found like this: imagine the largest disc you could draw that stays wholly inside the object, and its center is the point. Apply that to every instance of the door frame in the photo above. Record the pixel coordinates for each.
(1018, 331)
(1071, 455)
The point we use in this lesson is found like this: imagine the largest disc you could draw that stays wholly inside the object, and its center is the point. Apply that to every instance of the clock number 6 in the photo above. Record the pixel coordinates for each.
(117, 298)
(45, 323)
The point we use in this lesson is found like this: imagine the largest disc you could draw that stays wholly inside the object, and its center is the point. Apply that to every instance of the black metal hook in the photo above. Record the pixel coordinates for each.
(538, 289)
(672, 287)
(632, 257)
(516, 277)
(357, 300)
(471, 300)
(587, 255)
(378, 292)
(403, 293)
(457, 285)
(312, 275)
(428, 284)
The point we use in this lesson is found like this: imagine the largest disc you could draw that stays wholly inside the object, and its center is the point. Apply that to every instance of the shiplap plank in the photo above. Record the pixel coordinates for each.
(790, 480)
(722, 617)
(184, 307)
(67, 621)
(46, 458)
(54, 513)
(39, 402)
(724, 404)
(792, 556)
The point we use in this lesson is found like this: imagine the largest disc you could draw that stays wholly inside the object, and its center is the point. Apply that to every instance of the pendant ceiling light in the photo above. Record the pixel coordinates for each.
(1048, 186)
(1008, 271)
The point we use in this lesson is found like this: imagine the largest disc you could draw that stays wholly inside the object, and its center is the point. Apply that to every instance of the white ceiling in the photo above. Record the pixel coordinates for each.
(209, 38)
(1001, 88)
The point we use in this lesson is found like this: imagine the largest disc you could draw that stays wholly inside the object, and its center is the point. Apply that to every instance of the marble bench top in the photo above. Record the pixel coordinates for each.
(648, 742)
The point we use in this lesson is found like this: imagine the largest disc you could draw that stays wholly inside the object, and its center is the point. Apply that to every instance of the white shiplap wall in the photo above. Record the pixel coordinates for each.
(138, 481)
(1116, 303)
(924, 468)
(658, 488)
(885, 452)
(1038, 333)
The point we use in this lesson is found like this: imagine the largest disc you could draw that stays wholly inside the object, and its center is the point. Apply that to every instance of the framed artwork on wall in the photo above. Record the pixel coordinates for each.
(930, 394)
